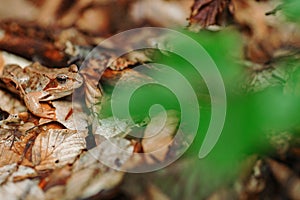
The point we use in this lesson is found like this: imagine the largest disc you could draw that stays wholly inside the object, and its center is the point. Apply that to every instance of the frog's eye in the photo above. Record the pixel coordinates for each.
(62, 78)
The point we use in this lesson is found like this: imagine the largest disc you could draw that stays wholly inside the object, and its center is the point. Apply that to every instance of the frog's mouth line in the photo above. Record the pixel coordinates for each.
(56, 94)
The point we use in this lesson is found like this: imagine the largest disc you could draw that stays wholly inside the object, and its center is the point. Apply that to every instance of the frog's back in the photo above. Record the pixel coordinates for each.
(11, 70)
(14, 76)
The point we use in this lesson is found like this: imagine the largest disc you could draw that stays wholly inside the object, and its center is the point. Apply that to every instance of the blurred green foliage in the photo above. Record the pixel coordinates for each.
(251, 114)
(291, 9)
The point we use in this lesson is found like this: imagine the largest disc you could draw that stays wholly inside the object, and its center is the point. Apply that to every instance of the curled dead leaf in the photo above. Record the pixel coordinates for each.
(208, 12)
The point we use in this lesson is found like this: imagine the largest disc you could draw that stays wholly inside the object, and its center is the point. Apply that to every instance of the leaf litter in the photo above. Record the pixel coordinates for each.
(48, 159)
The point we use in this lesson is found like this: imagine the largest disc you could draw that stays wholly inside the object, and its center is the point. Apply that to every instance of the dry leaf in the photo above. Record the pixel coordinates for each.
(92, 181)
(9, 58)
(110, 127)
(208, 12)
(155, 193)
(70, 115)
(56, 192)
(56, 148)
(159, 134)
(114, 152)
(27, 190)
(93, 175)
(10, 103)
(286, 177)
(13, 173)
(6, 171)
(20, 9)
(257, 28)
(2, 63)
(160, 12)
(58, 177)
(22, 173)
(7, 155)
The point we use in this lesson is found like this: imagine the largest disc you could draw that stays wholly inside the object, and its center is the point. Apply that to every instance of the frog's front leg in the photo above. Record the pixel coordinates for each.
(32, 102)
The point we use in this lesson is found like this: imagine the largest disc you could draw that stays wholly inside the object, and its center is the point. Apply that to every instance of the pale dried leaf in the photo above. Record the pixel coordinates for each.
(13, 59)
(86, 160)
(162, 13)
(6, 171)
(26, 189)
(56, 148)
(155, 193)
(104, 182)
(159, 134)
(114, 152)
(12, 173)
(93, 175)
(56, 192)
(22, 173)
(74, 188)
(110, 127)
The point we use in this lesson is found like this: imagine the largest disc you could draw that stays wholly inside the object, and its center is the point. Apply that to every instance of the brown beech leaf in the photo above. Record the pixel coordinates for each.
(7, 155)
(56, 147)
(207, 12)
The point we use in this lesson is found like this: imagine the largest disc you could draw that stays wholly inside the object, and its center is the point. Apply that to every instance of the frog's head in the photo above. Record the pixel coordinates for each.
(64, 82)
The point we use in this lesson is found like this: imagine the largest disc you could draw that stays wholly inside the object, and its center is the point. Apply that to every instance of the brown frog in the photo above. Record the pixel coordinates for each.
(36, 83)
